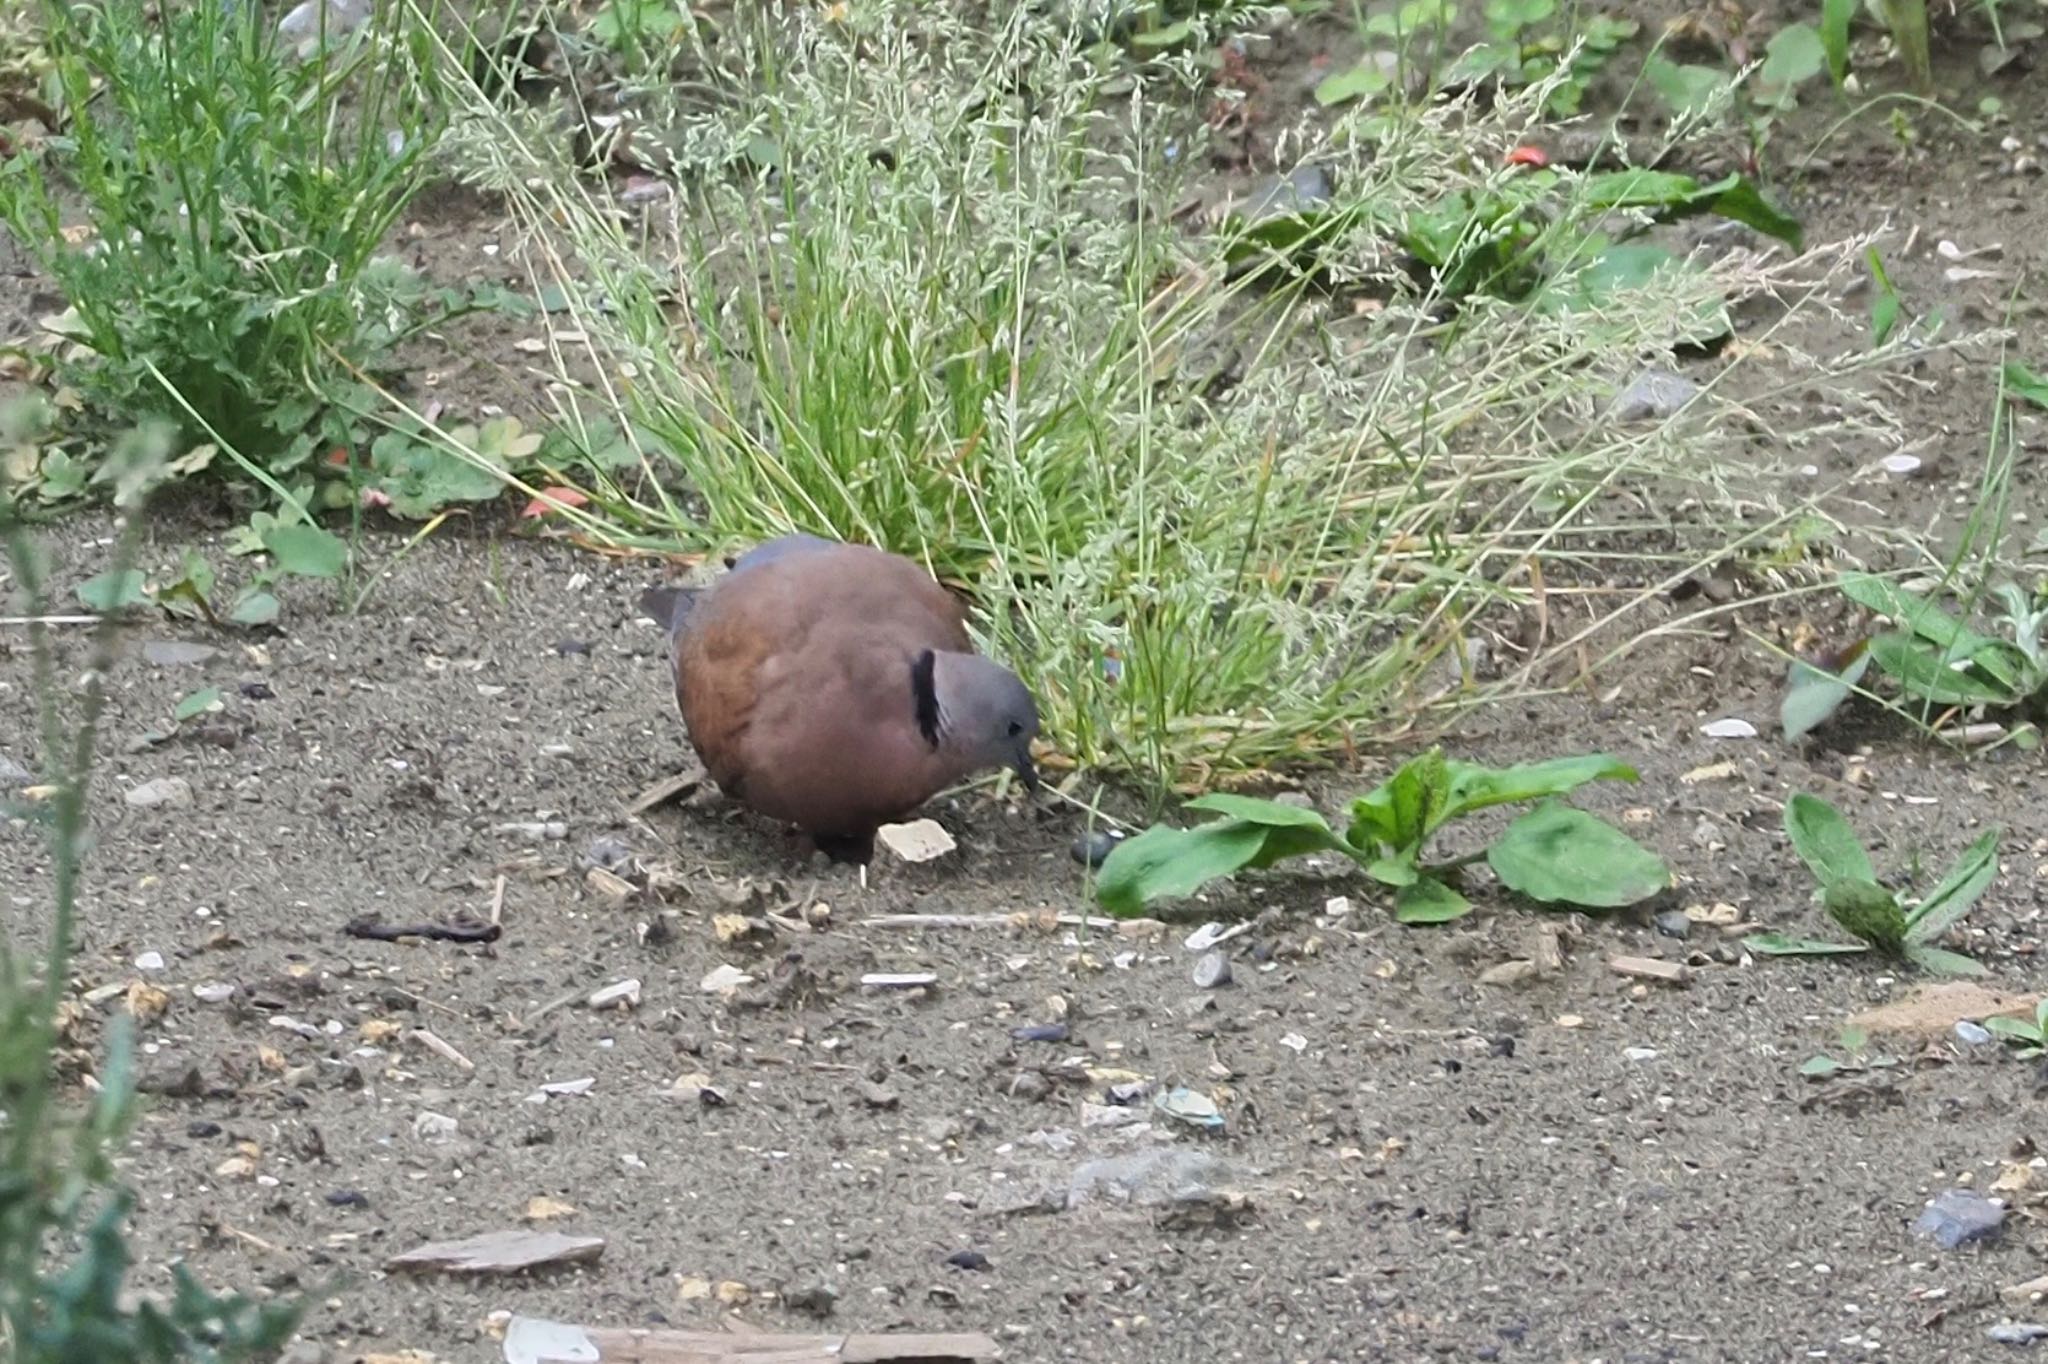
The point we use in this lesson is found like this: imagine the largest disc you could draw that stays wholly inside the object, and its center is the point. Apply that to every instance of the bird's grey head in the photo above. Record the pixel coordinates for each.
(977, 711)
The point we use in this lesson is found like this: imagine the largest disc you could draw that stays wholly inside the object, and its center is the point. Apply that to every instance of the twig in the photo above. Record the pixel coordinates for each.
(20, 621)
(498, 901)
(376, 930)
(1018, 920)
(441, 1049)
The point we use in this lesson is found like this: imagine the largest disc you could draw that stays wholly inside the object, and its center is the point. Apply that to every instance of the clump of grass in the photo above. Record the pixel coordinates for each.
(234, 196)
(927, 288)
(64, 1256)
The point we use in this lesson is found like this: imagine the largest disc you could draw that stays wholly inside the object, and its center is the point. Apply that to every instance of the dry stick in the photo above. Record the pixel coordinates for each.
(440, 1048)
(1020, 920)
(22, 621)
(498, 901)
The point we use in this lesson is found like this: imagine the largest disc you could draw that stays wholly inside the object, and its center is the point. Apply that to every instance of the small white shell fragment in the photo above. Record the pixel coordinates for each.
(1900, 466)
(1729, 728)
(722, 978)
(897, 980)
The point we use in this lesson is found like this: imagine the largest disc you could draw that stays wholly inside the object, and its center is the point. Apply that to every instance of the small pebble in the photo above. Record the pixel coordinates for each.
(1674, 923)
(1093, 849)
(972, 1260)
(1212, 972)
(1972, 1034)
(1040, 1032)
(1960, 1217)
(170, 791)
(2017, 1332)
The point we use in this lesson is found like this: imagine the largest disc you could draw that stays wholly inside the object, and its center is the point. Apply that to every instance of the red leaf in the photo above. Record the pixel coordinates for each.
(1528, 156)
(553, 500)
(338, 455)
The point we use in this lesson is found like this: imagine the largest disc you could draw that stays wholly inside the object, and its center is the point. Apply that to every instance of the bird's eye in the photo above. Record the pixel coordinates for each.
(1015, 729)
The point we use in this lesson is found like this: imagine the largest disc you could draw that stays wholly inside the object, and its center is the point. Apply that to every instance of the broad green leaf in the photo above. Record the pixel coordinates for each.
(1819, 1067)
(196, 704)
(2017, 1029)
(1395, 870)
(1252, 810)
(1775, 944)
(1929, 674)
(1360, 82)
(307, 551)
(1835, 16)
(1677, 196)
(1558, 855)
(1912, 613)
(1429, 901)
(1949, 901)
(2020, 382)
(1474, 787)
(1173, 35)
(112, 591)
(1825, 841)
(1868, 911)
(1794, 56)
(1684, 89)
(1164, 862)
(254, 607)
(1943, 962)
(1404, 810)
(1813, 694)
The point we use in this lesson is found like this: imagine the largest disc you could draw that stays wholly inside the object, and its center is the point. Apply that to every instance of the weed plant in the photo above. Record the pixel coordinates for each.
(213, 209)
(64, 1257)
(926, 287)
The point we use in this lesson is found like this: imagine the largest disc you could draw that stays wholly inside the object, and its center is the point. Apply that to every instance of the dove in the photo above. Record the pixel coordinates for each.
(835, 687)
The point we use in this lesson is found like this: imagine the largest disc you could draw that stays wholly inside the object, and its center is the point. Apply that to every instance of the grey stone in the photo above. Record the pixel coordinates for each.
(1960, 1217)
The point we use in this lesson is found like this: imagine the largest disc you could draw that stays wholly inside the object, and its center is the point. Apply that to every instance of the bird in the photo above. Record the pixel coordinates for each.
(834, 687)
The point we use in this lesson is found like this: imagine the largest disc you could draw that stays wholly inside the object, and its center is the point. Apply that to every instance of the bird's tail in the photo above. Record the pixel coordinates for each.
(669, 605)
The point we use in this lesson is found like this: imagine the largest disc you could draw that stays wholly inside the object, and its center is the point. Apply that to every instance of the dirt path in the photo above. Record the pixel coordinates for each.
(1436, 1166)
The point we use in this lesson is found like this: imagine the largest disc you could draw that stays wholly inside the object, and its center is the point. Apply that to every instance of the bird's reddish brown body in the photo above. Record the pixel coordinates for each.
(794, 679)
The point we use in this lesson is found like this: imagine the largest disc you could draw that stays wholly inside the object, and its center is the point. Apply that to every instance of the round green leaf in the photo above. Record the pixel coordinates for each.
(1558, 855)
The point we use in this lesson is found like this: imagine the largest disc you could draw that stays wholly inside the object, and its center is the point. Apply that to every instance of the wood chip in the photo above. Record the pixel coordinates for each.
(1650, 968)
(530, 1340)
(499, 1252)
(1932, 1010)
(663, 792)
(440, 1048)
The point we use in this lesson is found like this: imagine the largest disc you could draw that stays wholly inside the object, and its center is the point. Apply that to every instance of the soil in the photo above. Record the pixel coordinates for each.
(1583, 1165)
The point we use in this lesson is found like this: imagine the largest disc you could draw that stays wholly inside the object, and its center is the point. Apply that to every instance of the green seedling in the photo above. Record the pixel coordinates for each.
(1866, 910)
(1554, 854)
(2030, 1034)
(290, 550)
(1934, 658)
(1527, 237)
(1853, 1042)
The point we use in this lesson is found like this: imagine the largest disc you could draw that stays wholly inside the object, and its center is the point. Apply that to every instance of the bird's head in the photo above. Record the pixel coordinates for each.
(977, 711)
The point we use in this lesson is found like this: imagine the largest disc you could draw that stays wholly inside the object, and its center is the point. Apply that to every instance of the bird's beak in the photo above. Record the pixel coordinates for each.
(1024, 769)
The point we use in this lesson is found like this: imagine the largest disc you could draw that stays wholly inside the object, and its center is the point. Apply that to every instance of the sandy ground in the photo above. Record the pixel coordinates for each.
(1579, 1166)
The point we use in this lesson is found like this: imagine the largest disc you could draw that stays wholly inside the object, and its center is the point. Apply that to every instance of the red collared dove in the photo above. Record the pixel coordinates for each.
(834, 687)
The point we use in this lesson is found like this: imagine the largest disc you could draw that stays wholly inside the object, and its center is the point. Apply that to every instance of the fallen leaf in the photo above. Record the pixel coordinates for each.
(554, 500)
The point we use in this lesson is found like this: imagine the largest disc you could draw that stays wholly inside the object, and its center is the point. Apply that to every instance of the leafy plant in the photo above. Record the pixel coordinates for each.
(1525, 236)
(225, 274)
(64, 1257)
(1554, 854)
(1933, 657)
(1854, 1042)
(1869, 912)
(1522, 44)
(2031, 1034)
